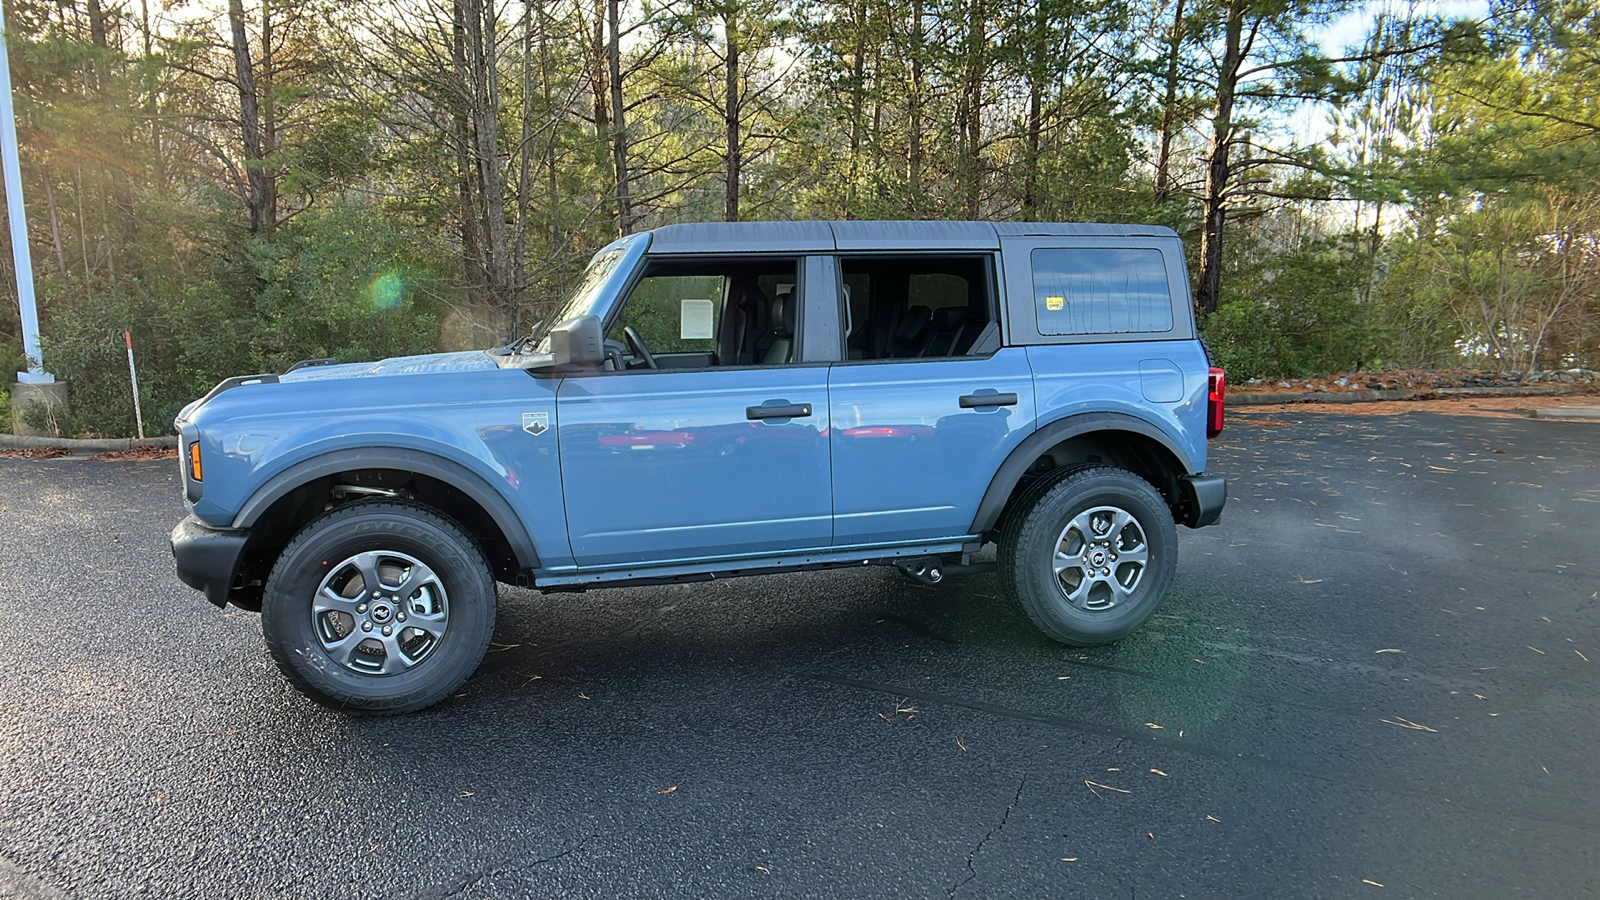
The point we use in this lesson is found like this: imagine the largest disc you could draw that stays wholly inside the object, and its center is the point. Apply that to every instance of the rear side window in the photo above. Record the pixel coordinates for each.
(916, 306)
(1101, 291)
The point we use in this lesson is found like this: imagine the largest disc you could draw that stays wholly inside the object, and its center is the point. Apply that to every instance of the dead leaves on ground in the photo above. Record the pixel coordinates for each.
(36, 453)
(133, 454)
(137, 454)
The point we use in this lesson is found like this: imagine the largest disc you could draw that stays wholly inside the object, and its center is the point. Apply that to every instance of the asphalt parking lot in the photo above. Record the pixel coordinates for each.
(1379, 677)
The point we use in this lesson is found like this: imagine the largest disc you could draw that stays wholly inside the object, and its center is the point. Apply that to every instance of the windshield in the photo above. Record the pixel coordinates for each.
(580, 302)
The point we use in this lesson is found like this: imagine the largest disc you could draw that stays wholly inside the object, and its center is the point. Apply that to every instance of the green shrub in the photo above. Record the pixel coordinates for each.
(340, 281)
(1298, 314)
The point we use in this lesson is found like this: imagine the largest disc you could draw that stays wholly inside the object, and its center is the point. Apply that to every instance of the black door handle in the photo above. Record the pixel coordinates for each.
(973, 401)
(791, 411)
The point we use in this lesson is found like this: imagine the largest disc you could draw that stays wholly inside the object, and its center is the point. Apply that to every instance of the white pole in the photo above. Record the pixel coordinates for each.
(133, 376)
(18, 215)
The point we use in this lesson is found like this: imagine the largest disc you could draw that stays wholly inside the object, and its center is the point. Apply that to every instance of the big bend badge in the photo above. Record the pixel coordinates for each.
(535, 423)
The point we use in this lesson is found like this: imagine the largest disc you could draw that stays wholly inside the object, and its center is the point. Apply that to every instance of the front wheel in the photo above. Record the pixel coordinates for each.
(379, 608)
(1089, 554)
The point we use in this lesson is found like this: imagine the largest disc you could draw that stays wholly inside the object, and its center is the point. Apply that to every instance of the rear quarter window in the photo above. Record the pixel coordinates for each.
(1101, 290)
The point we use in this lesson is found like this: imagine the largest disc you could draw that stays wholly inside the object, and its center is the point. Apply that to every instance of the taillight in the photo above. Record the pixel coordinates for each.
(194, 461)
(1215, 401)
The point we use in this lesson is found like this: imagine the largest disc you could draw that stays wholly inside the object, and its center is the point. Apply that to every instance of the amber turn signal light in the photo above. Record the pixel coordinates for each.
(194, 461)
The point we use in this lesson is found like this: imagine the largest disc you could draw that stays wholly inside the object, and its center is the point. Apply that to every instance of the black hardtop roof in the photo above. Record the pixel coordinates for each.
(816, 236)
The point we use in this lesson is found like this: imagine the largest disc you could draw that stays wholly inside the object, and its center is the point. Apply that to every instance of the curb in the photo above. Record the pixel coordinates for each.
(1375, 396)
(86, 445)
(1568, 412)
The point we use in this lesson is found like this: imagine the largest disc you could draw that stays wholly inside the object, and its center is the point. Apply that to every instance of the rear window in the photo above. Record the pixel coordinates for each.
(1101, 291)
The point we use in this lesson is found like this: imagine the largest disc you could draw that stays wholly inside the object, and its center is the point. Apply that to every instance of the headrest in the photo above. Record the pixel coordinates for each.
(912, 323)
(751, 296)
(949, 318)
(783, 313)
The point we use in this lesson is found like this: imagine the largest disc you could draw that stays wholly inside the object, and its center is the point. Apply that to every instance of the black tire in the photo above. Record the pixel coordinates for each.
(1056, 513)
(451, 612)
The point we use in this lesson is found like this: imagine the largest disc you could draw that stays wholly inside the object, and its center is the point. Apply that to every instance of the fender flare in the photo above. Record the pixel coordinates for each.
(1047, 436)
(452, 473)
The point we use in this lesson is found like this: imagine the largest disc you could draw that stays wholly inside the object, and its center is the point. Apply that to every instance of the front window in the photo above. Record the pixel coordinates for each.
(700, 313)
(674, 313)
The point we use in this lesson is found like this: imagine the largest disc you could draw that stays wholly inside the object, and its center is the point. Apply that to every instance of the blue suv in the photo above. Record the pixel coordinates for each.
(718, 400)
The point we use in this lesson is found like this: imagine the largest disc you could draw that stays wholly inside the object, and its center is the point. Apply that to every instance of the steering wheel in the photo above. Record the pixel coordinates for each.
(636, 344)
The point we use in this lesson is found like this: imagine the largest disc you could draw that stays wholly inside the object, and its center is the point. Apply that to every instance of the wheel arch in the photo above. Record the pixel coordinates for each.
(1115, 438)
(295, 495)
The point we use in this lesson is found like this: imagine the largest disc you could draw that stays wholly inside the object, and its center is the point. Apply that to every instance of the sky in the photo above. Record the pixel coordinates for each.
(1348, 30)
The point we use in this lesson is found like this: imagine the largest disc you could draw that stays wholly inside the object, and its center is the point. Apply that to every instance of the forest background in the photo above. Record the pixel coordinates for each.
(243, 185)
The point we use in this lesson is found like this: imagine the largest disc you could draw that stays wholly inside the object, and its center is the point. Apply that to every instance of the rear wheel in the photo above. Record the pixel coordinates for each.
(1089, 554)
(379, 608)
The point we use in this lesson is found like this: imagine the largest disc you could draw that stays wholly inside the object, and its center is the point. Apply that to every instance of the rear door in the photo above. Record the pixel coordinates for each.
(930, 404)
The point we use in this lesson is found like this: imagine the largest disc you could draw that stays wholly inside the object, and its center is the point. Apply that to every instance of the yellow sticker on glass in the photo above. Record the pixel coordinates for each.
(1054, 303)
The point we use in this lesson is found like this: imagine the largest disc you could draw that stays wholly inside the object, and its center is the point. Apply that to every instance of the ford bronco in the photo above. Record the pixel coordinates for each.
(718, 400)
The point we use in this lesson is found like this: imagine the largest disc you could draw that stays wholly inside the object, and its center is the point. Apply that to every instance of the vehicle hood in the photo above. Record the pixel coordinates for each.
(464, 361)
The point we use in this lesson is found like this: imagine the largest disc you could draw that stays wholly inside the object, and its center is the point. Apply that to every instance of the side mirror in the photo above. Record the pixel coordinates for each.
(578, 343)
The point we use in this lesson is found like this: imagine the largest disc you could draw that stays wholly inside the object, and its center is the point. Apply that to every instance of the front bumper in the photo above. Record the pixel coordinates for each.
(1202, 499)
(208, 558)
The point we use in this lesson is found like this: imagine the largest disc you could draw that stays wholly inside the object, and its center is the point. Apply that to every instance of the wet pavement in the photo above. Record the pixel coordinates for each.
(1382, 669)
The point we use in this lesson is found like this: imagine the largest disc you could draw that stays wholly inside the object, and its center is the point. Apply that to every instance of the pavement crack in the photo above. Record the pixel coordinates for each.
(473, 881)
(972, 871)
(570, 850)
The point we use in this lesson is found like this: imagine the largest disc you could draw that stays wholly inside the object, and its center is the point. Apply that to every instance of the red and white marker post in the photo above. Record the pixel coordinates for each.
(133, 376)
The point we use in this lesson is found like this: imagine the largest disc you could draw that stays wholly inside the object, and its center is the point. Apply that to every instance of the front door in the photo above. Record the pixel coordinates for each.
(708, 438)
(693, 464)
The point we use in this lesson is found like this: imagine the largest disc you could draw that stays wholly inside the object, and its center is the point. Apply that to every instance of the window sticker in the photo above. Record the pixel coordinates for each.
(695, 319)
(1055, 303)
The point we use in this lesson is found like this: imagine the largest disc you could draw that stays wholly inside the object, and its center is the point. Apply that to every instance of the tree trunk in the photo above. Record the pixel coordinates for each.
(160, 168)
(115, 227)
(1216, 193)
(519, 250)
(269, 110)
(597, 74)
(484, 77)
(552, 183)
(972, 104)
(914, 110)
(471, 246)
(257, 187)
(619, 130)
(730, 24)
(83, 230)
(857, 102)
(1163, 190)
(1035, 70)
(97, 28)
(55, 225)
